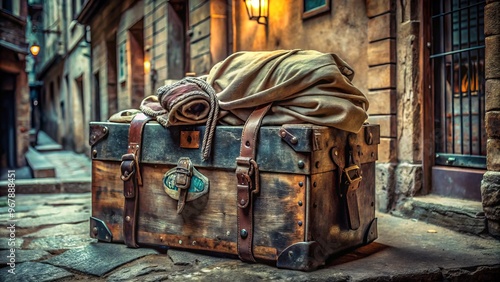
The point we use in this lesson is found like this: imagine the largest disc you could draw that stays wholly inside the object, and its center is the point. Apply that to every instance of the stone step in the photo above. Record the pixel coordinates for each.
(40, 166)
(48, 147)
(46, 144)
(456, 214)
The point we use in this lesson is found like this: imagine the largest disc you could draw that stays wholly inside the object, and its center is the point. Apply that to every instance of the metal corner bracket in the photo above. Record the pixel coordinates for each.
(99, 230)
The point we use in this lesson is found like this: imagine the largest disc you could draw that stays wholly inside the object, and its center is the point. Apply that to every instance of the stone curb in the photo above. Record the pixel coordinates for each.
(49, 185)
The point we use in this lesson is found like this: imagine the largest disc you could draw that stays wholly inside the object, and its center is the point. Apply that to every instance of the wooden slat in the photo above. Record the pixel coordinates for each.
(201, 46)
(199, 13)
(273, 154)
(200, 31)
(210, 225)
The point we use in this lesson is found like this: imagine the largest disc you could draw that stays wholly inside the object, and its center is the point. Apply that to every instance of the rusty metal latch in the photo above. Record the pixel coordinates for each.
(353, 175)
(185, 183)
(190, 139)
(247, 174)
(351, 180)
(183, 174)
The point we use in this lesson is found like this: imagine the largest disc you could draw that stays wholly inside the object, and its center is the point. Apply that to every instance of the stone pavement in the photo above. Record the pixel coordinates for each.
(51, 242)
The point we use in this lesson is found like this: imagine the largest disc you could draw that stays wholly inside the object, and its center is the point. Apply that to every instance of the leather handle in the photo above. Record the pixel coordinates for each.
(248, 182)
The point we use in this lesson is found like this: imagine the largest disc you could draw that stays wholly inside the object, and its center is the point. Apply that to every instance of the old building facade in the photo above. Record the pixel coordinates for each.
(14, 89)
(429, 68)
(61, 83)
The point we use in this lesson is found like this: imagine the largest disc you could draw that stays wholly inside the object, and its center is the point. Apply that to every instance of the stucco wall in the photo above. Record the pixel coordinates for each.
(78, 113)
(104, 29)
(342, 30)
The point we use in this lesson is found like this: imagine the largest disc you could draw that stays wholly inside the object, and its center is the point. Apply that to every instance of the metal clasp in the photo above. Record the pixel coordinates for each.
(183, 173)
(127, 166)
(352, 174)
(247, 174)
(252, 169)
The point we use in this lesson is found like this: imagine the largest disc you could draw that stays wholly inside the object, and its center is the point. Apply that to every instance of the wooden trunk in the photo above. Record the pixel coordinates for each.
(299, 214)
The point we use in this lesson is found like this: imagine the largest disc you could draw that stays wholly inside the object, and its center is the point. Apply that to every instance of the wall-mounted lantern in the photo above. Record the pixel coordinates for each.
(258, 10)
(35, 49)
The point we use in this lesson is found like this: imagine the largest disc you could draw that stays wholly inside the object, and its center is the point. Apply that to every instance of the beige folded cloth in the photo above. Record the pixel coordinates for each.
(185, 102)
(304, 86)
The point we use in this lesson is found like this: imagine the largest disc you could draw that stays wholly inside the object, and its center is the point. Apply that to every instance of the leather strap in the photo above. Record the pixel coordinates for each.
(351, 180)
(347, 158)
(183, 174)
(247, 174)
(132, 180)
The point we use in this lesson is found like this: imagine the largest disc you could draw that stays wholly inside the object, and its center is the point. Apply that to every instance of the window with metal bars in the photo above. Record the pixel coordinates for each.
(457, 59)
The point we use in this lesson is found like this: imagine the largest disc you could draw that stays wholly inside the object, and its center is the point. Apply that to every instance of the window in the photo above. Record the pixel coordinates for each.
(79, 86)
(457, 58)
(311, 8)
(73, 8)
(7, 5)
(122, 63)
(97, 98)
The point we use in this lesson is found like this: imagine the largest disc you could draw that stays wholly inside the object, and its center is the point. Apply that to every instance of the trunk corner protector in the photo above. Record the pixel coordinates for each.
(371, 232)
(99, 230)
(305, 256)
(97, 132)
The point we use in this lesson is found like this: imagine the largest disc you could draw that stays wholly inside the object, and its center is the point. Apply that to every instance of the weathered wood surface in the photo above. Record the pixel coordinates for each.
(162, 146)
(332, 231)
(206, 226)
(297, 203)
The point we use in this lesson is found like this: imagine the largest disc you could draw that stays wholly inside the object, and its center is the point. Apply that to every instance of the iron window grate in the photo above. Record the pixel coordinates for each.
(457, 59)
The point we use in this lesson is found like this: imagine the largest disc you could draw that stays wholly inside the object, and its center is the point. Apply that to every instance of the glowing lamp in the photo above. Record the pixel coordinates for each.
(257, 10)
(35, 49)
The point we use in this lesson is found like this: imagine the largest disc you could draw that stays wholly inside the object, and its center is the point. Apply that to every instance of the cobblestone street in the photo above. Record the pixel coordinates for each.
(53, 243)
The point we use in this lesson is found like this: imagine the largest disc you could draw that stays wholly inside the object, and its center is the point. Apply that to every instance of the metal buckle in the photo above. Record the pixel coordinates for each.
(356, 176)
(245, 177)
(128, 167)
(184, 171)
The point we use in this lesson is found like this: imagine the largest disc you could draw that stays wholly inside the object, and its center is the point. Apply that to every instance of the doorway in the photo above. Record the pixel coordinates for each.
(8, 118)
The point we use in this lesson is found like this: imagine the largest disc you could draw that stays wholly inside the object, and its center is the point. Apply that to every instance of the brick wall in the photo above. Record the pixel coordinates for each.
(23, 118)
(382, 74)
(12, 30)
(490, 188)
(382, 94)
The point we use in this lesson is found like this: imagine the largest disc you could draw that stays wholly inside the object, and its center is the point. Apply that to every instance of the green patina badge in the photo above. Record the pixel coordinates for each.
(199, 185)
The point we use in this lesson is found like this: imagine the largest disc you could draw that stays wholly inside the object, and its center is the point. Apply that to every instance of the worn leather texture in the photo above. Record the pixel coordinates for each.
(133, 181)
(248, 182)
